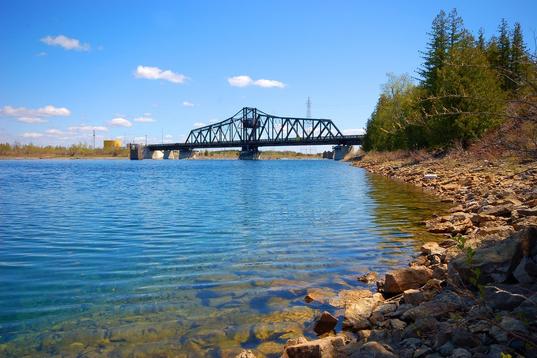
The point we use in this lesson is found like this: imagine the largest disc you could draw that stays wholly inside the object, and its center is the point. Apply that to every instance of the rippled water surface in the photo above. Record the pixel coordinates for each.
(187, 258)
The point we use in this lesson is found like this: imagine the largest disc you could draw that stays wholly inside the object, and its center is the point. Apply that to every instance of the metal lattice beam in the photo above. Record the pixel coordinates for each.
(252, 127)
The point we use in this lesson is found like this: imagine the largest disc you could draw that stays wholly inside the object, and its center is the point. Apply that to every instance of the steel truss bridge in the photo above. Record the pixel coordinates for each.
(251, 128)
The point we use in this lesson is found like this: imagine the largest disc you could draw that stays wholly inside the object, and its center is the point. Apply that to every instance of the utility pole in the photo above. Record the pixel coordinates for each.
(308, 115)
(146, 140)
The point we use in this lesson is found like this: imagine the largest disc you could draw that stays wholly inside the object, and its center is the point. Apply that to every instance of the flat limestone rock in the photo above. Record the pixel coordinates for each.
(406, 278)
(319, 348)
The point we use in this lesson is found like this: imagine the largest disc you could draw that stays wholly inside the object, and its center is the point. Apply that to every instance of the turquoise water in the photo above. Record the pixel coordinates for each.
(187, 258)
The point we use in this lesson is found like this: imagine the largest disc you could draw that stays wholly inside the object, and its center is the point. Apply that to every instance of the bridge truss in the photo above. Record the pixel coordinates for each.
(253, 127)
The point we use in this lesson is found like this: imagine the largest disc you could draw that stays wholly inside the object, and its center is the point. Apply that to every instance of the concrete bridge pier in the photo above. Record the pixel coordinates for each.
(170, 154)
(340, 151)
(148, 154)
(186, 153)
(249, 153)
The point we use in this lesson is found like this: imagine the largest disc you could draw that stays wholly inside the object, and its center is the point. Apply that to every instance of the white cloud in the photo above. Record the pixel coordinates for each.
(168, 136)
(144, 119)
(269, 83)
(33, 116)
(54, 132)
(240, 81)
(67, 43)
(155, 73)
(199, 124)
(31, 120)
(86, 128)
(188, 104)
(41, 54)
(353, 131)
(245, 81)
(32, 135)
(120, 122)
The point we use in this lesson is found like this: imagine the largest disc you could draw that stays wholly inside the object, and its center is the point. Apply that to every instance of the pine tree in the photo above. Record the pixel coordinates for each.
(518, 55)
(435, 55)
(456, 28)
(504, 55)
(480, 44)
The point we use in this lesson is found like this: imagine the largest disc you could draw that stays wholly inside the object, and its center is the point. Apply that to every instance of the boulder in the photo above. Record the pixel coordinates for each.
(440, 305)
(403, 279)
(432, 248)
(320, 348)
(527, 212)
(502, 299)
(375, 350)
(369, 278)
(499, 210)
(325, 323)
(526, 271)
(498, 262)
(345, 297)
(356, 316)
(413, 296)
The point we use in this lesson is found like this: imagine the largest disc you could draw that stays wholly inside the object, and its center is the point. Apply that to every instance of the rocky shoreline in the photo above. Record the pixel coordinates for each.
(471, 294)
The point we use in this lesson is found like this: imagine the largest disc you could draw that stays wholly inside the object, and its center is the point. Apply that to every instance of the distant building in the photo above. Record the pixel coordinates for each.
(111, 144)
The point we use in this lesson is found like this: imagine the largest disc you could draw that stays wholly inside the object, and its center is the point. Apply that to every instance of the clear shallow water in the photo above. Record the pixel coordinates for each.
(187, 258)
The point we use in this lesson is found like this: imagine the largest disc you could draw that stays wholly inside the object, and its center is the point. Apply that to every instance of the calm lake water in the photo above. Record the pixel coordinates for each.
(187, 258)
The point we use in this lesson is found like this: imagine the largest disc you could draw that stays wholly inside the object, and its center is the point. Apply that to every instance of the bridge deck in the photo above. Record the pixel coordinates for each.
(340, 140)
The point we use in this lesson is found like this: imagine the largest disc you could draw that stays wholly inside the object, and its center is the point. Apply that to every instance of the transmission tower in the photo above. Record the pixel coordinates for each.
(308, 108)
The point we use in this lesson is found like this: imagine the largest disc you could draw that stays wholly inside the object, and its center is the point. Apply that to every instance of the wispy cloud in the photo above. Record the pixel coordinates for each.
(32, 135)
(144, 119)
(120, 122)
(245, 81)
(155, 73)
(33, 116)
(68, 43)
(199, 124)
(188, 104)
(54, 132)
(87, 128)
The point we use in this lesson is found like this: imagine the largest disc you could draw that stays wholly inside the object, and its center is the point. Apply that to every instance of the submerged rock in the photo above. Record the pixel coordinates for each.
(369, 278)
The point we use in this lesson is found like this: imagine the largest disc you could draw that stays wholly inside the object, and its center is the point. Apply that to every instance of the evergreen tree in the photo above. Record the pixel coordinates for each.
(469, 100)
(518, 55)
(435, 55)
(481, 40)
(456, 28)
(503, 59)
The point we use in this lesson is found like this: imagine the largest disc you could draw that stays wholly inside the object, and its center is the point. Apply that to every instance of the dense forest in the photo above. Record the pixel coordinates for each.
(466, 86)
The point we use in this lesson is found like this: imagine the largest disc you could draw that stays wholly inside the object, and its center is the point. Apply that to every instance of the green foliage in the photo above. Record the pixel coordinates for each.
(463, 91)
(469, 258)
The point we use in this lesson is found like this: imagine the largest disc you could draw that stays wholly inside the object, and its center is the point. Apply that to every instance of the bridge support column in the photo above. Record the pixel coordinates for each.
(136, 152)
(148, 154)
(340, 151)
(186, 153)
(249, 153)
(170, 154)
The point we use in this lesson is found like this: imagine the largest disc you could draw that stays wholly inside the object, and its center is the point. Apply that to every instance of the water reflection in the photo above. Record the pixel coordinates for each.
(187, 258)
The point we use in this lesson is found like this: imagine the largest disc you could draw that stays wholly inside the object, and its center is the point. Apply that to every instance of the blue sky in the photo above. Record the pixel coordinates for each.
(135, 68)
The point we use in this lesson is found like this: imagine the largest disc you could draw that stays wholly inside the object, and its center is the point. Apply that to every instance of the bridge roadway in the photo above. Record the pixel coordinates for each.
(343, 140)
(250, 129)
